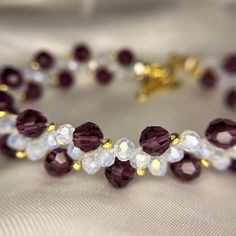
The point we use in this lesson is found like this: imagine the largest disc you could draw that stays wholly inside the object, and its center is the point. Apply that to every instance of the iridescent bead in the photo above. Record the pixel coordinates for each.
(17, 141)
(140, 160)
(74, 152)
(36, 150)
(64, 134)
(205, 151)
(222, 163)
(7, 124)
(158, 166)
(174, 154)
(89, 164)
(49, 139)
(124, 149)
(105, 157)
(190, 141)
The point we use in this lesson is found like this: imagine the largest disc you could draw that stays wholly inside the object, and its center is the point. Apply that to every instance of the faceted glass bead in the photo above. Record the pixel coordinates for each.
(140, 160)
(230, 98)
(74, 152)
(31, 123)
(87, 137)
(36, 150)
(105, 157)
(158, 166)
(6, 101)
(155, 140)
(103, 75)
(65, 79)
(64, 134)
(190, 141)
(82, 53)
(33, 91)
(205, 151)
(17, 141)
(7, 124)
(230, 63)
(58, 163)
(5, 149)
(89, 164)
(120, 173)
(174, 154)
(11, 77)
(222, 133)
(222, 163)
(209, 79)
(44, 59)
(125, 57)
(124, 149)
(49, 140)
(187, 169)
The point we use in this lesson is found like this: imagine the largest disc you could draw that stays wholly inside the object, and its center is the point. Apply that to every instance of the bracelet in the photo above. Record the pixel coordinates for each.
(28, 134)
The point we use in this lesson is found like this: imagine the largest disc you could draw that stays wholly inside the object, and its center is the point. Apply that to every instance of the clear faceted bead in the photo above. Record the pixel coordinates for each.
(205, 151)
(36, 150)
(140, 160)
(7, 124)
(124, 149)
(74, 152)
(89, 164)
(190, 141)
(174, 154)
(158, 166)
(64, 134)
(105, 157)
(222, 163)
(50, 140)
(17, 141)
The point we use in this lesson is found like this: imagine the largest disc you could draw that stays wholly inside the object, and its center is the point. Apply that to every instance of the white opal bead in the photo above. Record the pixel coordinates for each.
(89, 164)
(17, 141)
(64, 134)
(205, 151)
(74, 152)
(124, 149)
(36, 150)
(50, 140)
(222, 163)
(105, 157)
(7, 124)
(174, 154)
(140, 160)
(158, 166)
(190, 141)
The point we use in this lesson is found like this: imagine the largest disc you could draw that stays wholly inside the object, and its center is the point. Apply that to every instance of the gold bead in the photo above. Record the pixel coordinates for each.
(107, 143)
(20, 154)
(77, 165)
(205, 163)
(4, 87)
(52, 127)
(3, 113)
(34, 65)
(141, 172)
(175, 139)
(55, 81)
(69, 56)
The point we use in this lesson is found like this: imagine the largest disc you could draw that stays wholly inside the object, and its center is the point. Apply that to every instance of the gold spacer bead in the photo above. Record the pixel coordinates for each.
(175, 139)
(107, 143)
(4, 87)
(20, 154)
(69, 56)
(205, 163)
(52, 127)
(3, 113)
(34, 65)
(140, 172)
(77, 165)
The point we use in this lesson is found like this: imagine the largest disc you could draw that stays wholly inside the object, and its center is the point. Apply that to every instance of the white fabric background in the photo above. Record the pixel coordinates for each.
(33, 203)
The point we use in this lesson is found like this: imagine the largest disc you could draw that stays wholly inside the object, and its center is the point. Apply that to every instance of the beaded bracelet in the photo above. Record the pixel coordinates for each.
(28, 133)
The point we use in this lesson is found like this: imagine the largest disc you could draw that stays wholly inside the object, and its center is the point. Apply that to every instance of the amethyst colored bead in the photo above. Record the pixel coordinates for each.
(125, 57)
(87, 137)
(82, 53)
(44, 59)
(120, 173)
(222, 133)
(5, 149)
(155, 140)
(187, 169)
(230, 63)
(31, 123)
(11, 77)
(104, 75)
(65, 79)
(230, 98)
(57, 162)
(233, 165)
(33, 91)
(6, 101)
(209, 79)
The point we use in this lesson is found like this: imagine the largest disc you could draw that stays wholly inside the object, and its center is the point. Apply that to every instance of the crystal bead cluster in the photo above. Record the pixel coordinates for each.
(65, 148)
